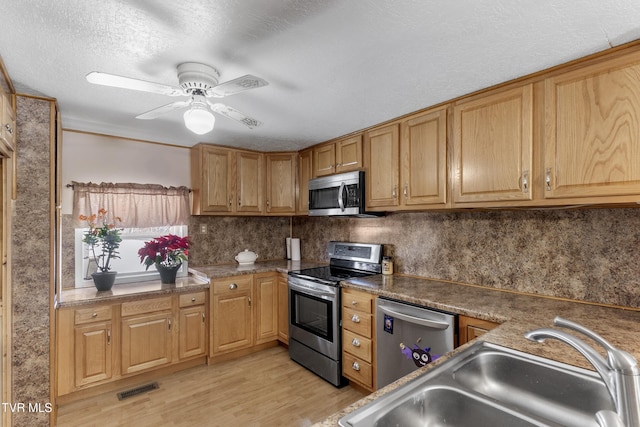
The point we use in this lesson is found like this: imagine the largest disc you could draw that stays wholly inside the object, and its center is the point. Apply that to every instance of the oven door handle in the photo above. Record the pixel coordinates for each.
(313, 292)
(340, 192)
(433, 324)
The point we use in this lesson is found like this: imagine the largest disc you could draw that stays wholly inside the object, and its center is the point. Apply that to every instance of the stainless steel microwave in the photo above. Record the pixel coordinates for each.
(340, 195)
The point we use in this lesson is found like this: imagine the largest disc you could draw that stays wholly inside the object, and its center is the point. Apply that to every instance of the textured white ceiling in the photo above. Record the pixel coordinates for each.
(334, 66)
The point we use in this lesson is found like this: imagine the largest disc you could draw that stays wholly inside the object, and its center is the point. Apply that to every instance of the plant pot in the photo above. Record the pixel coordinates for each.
(168, 274)
(104, 280)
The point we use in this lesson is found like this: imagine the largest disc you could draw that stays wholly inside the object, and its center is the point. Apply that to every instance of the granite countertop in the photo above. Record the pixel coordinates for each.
(198, 279)
(517, 314)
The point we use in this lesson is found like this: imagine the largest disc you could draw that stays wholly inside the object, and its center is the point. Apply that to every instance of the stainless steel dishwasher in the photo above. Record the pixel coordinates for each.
(409, 337)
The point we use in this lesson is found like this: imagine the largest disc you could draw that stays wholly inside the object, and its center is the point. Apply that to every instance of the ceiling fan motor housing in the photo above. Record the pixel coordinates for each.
(197, 78)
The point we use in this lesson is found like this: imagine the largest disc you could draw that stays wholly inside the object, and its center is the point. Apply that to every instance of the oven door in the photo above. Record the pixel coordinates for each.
(314, 317)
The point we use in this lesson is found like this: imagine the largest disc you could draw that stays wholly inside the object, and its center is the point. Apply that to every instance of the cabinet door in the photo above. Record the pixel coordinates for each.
(470, 328)
(423, 153)
(7, 125)
(266, 308)
(381, 160)
(492, 147)
(231, 327)
(146, 342)
(192, 337)
(283, 309)
(281, 183)
(216, 194)
(349, 154)
(324, 160)
(592, 133)
(305, 173)
(93, 351)
(249, 182)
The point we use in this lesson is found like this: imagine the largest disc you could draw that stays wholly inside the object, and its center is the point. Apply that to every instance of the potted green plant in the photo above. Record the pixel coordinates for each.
(167, 253)
(103, 237)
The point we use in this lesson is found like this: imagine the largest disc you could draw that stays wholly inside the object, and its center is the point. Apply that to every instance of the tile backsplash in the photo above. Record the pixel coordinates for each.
(582, 254)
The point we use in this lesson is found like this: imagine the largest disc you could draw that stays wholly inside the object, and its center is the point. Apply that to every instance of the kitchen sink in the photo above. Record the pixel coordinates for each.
(489, 385)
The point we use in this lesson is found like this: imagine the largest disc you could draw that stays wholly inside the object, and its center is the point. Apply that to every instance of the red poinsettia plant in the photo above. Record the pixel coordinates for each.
(168, 251)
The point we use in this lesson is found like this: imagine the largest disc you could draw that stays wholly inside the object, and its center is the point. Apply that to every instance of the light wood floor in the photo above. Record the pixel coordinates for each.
(263, 389)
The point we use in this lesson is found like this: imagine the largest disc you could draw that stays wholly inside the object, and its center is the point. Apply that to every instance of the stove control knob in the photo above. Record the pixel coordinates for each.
(355, 319)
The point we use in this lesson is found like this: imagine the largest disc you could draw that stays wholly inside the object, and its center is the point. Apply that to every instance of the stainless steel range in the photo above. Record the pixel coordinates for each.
(314, 307)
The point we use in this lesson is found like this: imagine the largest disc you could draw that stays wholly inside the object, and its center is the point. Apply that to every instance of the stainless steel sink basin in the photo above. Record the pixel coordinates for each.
(558, 392)
(490, 385)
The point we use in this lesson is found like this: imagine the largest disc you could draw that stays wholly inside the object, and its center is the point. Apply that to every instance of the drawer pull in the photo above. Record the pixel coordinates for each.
(94, 315)
(233, 286)
(354, 303)
(355, 319)
(355, 342)
(193, 299)
(355, 366)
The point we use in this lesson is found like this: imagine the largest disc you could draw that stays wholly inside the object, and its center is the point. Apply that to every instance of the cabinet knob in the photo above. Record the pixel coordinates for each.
(547, 179)
(394, 193)
(354, 303)
(193, 299)
(230, 202)
(525, 181)
(9, 129)
(94, 315)
(355, 366)
(355, 342)
(405, 191)
(355, 319)
(233, 286)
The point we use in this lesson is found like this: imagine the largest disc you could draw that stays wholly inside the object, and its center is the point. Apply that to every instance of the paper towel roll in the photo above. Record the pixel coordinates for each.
(288, 247)
(295, 249)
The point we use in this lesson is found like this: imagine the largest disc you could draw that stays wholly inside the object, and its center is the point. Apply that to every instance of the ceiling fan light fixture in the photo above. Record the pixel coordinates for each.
(199, 120)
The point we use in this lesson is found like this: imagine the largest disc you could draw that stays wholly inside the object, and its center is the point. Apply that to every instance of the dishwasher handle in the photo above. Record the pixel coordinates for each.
(433, 324)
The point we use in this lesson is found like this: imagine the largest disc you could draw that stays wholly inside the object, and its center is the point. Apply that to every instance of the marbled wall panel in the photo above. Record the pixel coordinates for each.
(226, 236)
(31, 236)
(587, 254)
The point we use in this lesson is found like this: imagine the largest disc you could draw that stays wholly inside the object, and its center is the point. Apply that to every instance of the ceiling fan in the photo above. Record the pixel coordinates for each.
(197, 81)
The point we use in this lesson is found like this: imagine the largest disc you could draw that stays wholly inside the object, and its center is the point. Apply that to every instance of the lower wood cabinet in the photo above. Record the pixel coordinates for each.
(283, 308)
(266, 307)
(358, 338)
(470, 328)
(98, 344)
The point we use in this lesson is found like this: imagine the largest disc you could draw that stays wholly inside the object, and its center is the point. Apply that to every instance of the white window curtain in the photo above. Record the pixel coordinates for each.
(137, 205)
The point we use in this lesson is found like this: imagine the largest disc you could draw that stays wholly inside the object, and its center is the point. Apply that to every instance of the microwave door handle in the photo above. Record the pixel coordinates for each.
(433, 324)
(340, 192)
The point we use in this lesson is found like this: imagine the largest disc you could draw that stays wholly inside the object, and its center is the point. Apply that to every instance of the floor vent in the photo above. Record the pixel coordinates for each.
(138, 390)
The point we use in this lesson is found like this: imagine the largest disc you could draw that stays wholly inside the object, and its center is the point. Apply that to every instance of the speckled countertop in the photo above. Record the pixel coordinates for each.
(198, 279)
(517, 314)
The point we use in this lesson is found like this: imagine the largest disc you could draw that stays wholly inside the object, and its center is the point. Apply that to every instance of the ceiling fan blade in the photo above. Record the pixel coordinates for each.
(157, 112)
(107, 79)
(238, 85)
(236, 115)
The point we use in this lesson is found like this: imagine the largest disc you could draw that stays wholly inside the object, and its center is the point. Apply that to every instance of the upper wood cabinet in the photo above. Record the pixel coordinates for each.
(281, 183)
(305, 173)
(381, 159)
(406, 163)
(249, 182)
(7, 124)
(592, 131)
(340, 156)
(492, 147)
(225, 180)
(423, 160)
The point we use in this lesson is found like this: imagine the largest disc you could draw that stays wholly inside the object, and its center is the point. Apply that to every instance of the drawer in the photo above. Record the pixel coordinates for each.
(357, 345)
(361, 301)
(232, 284)
(92, 314)
(188, 300)
(357, 321)
(357, 370)
(145, 306)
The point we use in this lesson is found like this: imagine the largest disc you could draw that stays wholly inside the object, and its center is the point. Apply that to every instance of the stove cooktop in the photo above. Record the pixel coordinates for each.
(329, 274)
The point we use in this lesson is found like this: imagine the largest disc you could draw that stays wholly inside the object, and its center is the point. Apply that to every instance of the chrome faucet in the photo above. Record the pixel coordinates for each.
(619, 372)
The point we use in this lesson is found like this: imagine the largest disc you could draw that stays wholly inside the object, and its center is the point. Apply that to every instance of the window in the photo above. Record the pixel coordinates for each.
(146, 211)
(128, 266)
